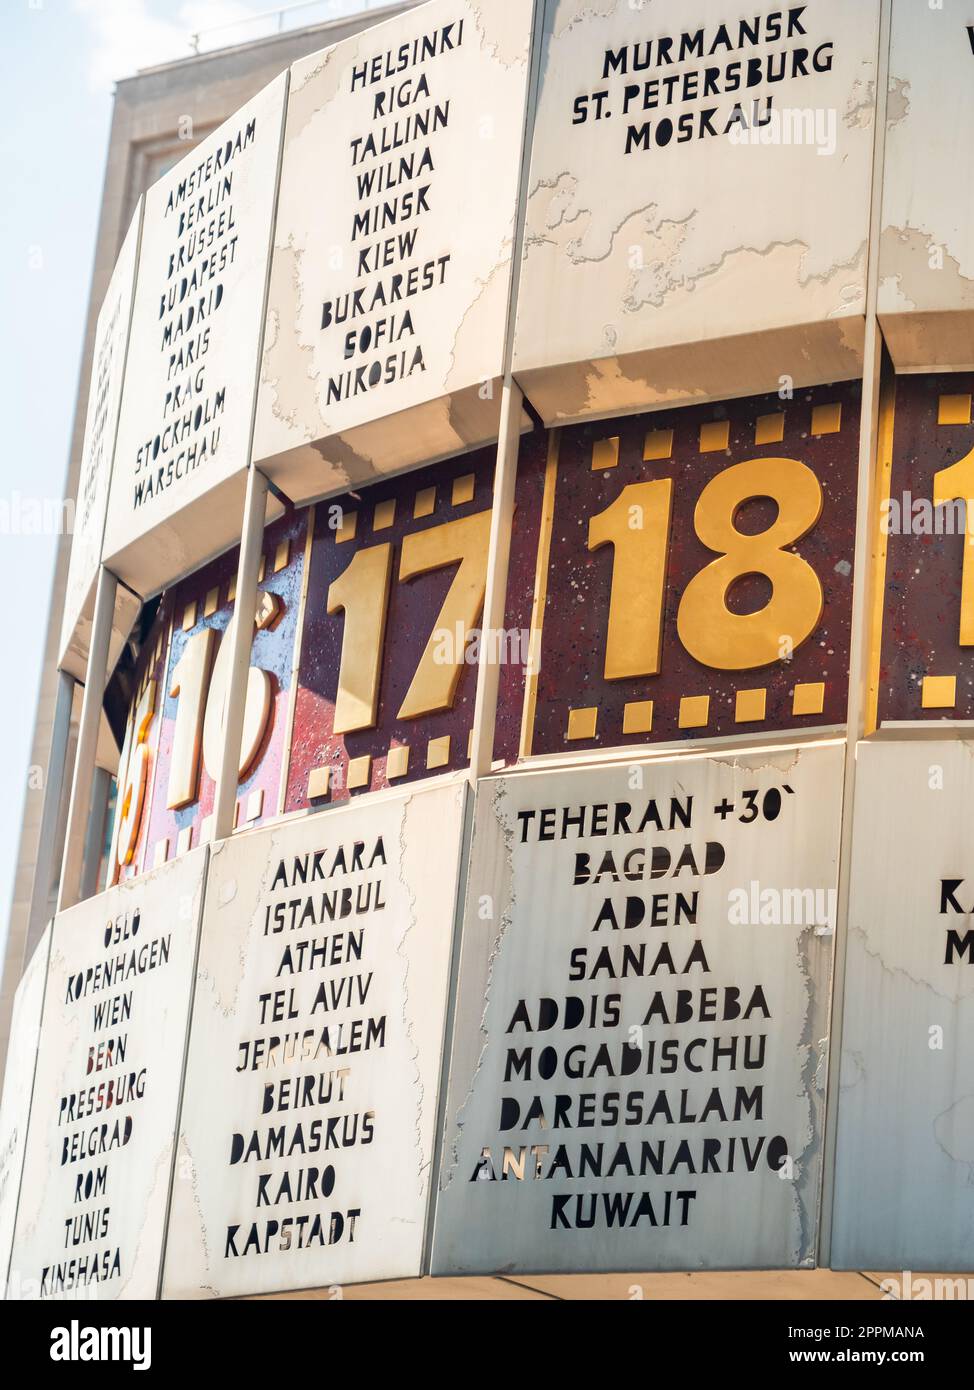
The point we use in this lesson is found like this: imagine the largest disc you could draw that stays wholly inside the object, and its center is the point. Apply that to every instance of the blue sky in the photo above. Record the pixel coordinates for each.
(59, 62)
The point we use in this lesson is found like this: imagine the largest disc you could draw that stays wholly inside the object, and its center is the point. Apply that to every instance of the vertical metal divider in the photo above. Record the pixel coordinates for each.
(863, 616)
(84, 763)
(449, 1017)
(296, 651)
(181, 1088)
(509, 436)
(485, 709)
(54, 780)
(251, 544)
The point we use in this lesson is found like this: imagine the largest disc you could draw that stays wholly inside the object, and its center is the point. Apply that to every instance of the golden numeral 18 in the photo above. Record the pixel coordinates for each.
(637, 525)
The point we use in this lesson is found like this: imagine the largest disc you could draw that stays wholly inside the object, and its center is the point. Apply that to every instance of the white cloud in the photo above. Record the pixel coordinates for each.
(130, 34)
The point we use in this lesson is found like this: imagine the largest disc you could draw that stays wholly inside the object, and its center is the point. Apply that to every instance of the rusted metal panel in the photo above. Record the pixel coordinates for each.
(926, 666)
(387, 515)
(595, 468)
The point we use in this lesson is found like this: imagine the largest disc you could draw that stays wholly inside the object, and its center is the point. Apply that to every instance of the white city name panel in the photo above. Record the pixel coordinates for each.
(389, 297)
(94, 478)
(184, 435)
(309, 1111)
(904, 1197)
(98, 1161)
(698, 208)
(18, 1083)
(637, 1079)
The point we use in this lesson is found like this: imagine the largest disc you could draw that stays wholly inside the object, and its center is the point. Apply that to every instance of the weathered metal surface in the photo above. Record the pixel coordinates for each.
(904, 1195)
(391, 271)
(18, 1083)
(699, 200)
(184, 433)
(616, 468)
(637, 1072)
(312, 1080)
(926, 262)
(926, 668)
(98, 1160)
(392, 514)
(95, 473)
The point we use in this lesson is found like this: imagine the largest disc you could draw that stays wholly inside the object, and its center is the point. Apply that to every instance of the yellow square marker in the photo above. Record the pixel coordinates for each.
(464, 489)
(319, 783)
(211, 603)
(346, 532)
(161, 854)
(397, 763)
(282, 556)
(255, 806)
(359, 773)
(184, 841)
(659, 445)
(939, 692)
(827, 419)
(770, 429)
(438, 753)
(808, 699)
(637, 718)
(605, 454)
(385, 515)
(954, 410)
(582, 723)
(715, 437)
(189, 617)
(425, 503)
(694, 711)
(751, 706)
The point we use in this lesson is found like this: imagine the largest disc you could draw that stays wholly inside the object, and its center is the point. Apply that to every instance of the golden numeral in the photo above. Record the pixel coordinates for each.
(434, 686)
(956, 484)
(257, 710)
(728, 641)
(637, 526)
(362, 593)
(135, 759)
(190, 679)
(201, 685)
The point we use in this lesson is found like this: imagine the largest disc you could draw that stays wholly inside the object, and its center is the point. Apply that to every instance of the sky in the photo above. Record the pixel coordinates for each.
(59, 60)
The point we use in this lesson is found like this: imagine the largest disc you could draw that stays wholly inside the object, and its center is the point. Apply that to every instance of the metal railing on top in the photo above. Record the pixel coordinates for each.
(278, 21)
